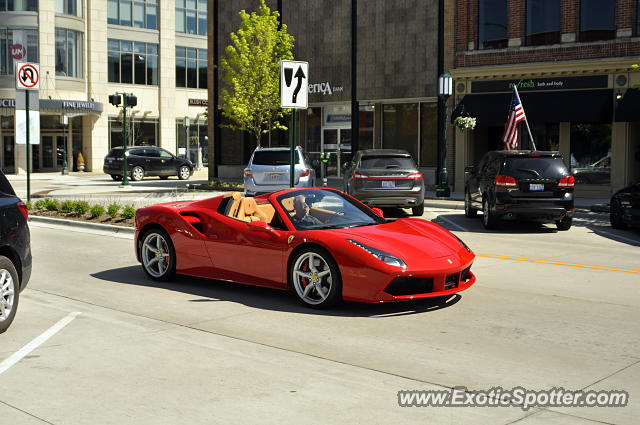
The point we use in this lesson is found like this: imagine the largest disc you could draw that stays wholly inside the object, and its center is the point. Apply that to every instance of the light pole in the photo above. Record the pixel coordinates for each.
(445, 89)
(187, 124)
(127, 100)
(65, 122)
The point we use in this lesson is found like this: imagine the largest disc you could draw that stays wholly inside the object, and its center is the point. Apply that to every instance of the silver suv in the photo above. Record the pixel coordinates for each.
(268, 170)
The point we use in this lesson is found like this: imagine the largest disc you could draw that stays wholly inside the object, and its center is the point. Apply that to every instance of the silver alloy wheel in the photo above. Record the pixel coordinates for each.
(155, 255)
(7, 294)
(185, 173)
(137, 173)
(312, 278)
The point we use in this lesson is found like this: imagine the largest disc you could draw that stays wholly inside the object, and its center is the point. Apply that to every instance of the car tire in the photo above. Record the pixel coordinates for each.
(418, 210)
(164, 177)
(469, 211)
(326, 293)
(154, 247)
(564, 224)
(489, 220)
(9, 293)
(184, 172)
(137, 173)
(615, 215)
(116, 177)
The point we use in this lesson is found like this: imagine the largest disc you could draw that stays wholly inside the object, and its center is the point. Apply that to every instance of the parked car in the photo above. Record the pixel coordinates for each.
(515, 185)
(145, 161)
(625, 207)
(319, 243)
(385, 178)
(268, 170)
(597, 173)
(15, 252)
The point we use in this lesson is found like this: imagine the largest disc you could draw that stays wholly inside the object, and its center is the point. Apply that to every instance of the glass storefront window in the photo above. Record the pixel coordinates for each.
(428, 135)
(18, 42)
(492, 24)
(400, 127)
(590, 158)
(543, 22)
(142, 132)
(365, 139)
(193, 142)
(546, 136)
(68, 53)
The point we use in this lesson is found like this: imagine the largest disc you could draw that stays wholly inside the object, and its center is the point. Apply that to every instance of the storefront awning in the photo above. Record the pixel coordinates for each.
(558, 106)
(628, 109)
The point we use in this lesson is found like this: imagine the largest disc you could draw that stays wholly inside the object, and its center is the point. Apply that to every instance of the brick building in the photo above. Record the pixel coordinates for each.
(571, 60)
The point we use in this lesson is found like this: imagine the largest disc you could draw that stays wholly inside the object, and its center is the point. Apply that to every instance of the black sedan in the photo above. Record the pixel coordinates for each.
(15, 252)
(146, 161)
(625, 207)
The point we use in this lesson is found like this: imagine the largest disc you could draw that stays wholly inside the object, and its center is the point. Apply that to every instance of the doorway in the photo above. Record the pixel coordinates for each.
(48, 155)
(7, 155)
(337, 143)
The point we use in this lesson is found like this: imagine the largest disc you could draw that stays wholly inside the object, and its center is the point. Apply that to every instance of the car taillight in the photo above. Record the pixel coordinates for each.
(567, 181)
(306, 172)
(505, 181)
(248, 174)
(359, 176)
(23, 209)
(415, 176)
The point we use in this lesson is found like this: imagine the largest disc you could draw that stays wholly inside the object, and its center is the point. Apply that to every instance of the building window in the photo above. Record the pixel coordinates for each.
(191, 67)
(18, 43)
(597, 20)
(492, 24)
(19, 5)
(400, 127)
(543, 22)
(191, 16)
(590, 158)
(142, 132)
(132, 62)
(68, 53)
(193, 142)
(138, 13)
(69, 7)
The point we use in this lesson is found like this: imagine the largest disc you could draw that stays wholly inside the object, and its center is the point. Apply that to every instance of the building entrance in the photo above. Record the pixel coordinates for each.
(337, 143)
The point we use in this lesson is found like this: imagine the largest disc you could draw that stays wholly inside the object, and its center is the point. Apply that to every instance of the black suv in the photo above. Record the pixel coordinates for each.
(15, 252)
(520, 185)
(147, 161)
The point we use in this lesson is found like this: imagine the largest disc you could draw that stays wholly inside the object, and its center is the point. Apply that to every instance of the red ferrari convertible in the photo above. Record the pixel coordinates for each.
(321, 243)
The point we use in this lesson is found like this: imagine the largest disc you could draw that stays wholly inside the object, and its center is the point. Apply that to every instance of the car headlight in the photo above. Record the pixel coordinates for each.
(385, 257)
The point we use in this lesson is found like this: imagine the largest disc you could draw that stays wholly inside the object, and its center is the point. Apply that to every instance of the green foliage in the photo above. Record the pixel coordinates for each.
(51, 204)
(67, 206)
(80, 207)
(96, 211)
(29, 206)
(41, 204)
(113, 210)
(128, 212)
(251, 73)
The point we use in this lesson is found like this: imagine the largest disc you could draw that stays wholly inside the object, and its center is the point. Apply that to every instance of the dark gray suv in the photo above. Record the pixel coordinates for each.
(385, 178)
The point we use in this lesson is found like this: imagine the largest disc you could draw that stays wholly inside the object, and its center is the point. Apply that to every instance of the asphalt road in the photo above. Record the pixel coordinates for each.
(550, 309)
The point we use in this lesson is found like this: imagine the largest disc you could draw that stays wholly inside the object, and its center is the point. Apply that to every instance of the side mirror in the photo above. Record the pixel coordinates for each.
(469, 169)
(378, 211)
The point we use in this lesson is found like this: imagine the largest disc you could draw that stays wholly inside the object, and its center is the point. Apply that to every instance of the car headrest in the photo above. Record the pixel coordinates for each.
(287, 204)
(249, 205)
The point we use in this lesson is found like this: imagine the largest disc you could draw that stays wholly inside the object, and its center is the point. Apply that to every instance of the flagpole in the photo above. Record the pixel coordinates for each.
(526, 121)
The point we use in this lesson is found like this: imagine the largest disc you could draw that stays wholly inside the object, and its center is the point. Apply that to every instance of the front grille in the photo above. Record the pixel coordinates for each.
(466, 274)
(452, 281)
(410, 286)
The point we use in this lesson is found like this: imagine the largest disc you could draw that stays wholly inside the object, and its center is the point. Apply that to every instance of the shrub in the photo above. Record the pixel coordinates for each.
(112, 210)
(96, 211)
(80, 207)
(29, 206)
(128, 212)
(52, 204)
(41, 204)
(67, 206)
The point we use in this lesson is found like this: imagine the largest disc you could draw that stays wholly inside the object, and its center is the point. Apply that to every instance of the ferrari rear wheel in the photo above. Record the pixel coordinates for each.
(315, 277)
(158, 255)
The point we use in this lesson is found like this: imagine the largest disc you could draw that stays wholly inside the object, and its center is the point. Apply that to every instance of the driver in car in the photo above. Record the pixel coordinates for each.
(301, 215)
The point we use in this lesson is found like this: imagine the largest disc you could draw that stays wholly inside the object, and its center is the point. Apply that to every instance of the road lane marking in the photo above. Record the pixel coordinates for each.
(559, 263)
(438, 216)
(24, 351)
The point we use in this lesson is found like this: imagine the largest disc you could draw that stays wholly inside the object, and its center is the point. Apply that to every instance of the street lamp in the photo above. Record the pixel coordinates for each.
(445, 89)
(187, 123)
(65, 122)
(126, 100)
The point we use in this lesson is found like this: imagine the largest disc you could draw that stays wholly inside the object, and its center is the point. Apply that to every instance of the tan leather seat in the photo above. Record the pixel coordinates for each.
(235, 206)
(247, 210)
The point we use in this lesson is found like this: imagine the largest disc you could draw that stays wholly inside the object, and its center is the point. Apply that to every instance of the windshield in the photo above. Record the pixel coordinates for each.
(272, 157)
(324, 209)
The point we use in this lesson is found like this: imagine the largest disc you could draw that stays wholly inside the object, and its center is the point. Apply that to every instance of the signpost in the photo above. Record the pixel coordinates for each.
(27, 79)
(294, 93)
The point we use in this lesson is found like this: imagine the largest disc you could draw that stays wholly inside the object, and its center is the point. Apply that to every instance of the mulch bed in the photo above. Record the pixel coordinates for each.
(104, 219)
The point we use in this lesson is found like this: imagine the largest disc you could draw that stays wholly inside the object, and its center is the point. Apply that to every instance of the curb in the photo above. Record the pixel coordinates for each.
(76, 223)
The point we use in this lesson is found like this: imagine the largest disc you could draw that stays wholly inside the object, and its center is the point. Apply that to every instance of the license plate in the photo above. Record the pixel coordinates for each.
(274, 176)
(388, 183)
(537, 187)
(109, 160)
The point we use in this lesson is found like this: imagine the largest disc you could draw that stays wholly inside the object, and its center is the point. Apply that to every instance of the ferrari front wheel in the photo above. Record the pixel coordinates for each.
(158, 255)
(315, 278)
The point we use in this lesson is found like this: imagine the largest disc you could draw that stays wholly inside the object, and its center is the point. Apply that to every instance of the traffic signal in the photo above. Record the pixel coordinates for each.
(115, 99)
(130, 100)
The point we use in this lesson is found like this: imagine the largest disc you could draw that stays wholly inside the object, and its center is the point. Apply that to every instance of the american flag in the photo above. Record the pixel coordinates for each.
(516, 115)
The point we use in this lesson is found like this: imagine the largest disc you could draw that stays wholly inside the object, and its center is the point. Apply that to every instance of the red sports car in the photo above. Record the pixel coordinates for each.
(321, 243)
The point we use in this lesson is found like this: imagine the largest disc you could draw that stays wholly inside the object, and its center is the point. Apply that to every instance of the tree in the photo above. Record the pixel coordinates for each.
(251, 73)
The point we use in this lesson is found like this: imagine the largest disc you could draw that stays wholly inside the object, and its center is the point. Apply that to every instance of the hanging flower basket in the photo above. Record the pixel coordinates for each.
(465, 123)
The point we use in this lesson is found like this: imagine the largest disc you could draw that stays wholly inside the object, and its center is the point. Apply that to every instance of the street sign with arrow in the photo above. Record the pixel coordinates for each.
(294, 83)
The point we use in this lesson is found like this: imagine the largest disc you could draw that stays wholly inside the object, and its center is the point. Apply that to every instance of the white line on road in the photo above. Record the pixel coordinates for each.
(20, 354)
(464, 229)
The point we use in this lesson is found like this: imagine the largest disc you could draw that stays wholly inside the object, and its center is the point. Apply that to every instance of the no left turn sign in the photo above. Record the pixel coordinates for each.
(27, 76)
